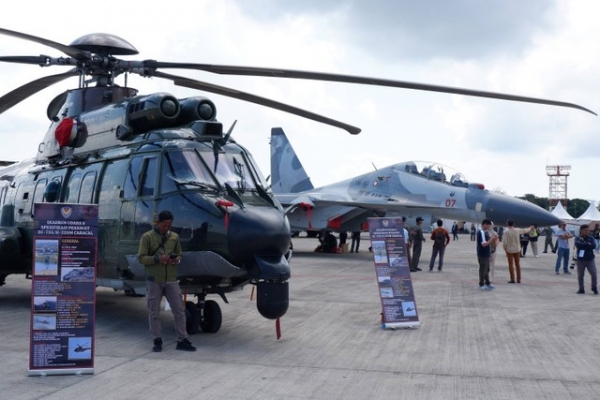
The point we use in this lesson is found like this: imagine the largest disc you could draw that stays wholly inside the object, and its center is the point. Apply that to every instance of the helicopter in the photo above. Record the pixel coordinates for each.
(80, 348)
(135, 155)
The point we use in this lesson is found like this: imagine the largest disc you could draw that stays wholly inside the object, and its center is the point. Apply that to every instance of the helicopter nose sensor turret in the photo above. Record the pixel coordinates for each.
(261, 240)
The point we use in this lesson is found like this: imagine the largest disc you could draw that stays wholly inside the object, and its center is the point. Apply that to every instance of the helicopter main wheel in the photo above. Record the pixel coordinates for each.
(211, 317)
(192, 318)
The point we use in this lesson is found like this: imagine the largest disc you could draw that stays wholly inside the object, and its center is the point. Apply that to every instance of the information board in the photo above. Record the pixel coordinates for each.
(63, 289)
(399, 308)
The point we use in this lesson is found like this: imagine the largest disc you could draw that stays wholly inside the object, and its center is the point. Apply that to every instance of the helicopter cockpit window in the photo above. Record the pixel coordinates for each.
(257, 172)
(184, 169)
(230, 168)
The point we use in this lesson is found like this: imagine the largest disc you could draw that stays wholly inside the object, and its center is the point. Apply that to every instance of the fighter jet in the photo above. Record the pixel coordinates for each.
(408, 189)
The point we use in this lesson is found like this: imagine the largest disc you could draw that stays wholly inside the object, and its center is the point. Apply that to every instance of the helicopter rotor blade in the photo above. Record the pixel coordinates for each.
(236, 94)
(36, 60)
(323, 76)
(21, 93)
(71, 51)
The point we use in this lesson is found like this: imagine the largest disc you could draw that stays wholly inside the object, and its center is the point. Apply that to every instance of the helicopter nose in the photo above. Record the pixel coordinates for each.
(257, 231)
(501, 208)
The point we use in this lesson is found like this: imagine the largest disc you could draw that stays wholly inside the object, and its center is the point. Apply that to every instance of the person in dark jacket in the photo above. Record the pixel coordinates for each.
(484, 243)
(417, 241)
(584, 246)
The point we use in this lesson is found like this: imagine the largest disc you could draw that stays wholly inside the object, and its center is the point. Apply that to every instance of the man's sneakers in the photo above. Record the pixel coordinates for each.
(487, 287)
(157, 345)
(581, 291)
(185, 345)
(595, 290)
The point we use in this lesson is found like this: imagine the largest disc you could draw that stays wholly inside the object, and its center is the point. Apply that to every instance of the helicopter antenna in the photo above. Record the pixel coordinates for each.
(372, 163)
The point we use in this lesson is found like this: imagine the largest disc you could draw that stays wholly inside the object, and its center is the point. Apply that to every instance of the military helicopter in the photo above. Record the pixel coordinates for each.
(135, 155)
(80, 348)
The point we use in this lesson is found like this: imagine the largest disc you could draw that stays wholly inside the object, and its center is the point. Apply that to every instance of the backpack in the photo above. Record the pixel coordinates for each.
(439, 239)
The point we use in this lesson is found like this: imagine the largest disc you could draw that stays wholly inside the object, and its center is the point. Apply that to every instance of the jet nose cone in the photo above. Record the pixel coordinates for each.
(501, 208)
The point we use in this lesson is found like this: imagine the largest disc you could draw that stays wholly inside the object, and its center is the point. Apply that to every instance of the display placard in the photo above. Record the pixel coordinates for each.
(399, 308)
(63, 289)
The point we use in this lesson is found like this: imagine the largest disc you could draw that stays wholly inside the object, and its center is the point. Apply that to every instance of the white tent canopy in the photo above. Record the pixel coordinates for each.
(560, 212)
(590, 215)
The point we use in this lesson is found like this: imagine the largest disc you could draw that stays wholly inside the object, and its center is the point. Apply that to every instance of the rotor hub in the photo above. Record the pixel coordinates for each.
(104, 44)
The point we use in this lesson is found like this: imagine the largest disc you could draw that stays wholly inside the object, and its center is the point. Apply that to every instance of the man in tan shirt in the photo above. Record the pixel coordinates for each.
(512, 247)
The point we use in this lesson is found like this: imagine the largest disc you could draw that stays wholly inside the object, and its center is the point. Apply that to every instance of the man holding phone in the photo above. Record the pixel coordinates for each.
(160, 252)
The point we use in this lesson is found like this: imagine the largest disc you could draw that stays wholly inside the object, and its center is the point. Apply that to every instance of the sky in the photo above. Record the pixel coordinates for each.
(545, 49)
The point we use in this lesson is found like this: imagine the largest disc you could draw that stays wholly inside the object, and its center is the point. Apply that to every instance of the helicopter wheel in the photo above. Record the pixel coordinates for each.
(211, 320)
(192, 318)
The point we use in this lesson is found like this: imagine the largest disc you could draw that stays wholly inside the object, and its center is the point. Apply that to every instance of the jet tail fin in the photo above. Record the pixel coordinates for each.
(287, 173)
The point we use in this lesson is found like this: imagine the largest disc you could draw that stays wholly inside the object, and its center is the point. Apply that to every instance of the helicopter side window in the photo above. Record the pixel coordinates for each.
(86, 193)
(110, 188)
(73, 188)
(53, 190)
(38, 194)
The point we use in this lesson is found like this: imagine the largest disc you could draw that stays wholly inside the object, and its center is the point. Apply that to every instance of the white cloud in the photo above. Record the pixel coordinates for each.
(546, 50)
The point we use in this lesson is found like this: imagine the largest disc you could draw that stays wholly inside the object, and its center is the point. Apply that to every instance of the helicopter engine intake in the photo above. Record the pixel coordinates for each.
(197, 108)
(159, 110)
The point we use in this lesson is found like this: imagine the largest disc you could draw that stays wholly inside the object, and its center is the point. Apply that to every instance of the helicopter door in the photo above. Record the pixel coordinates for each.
(137, 206)
(110, 194)
(24, 203)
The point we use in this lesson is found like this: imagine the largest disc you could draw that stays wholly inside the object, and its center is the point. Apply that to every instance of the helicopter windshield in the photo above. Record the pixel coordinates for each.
(230, 168)
(185, 168)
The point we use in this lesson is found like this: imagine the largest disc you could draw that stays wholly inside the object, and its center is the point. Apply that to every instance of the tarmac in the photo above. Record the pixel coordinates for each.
(534, 340)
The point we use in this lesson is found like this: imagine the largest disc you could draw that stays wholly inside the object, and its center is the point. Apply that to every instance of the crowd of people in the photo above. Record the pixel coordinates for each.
(514, 242)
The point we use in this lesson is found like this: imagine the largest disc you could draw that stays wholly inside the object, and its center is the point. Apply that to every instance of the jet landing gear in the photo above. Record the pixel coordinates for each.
(205, 316)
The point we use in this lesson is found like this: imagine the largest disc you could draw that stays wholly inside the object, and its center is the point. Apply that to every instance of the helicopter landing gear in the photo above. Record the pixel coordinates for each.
(205, 316)
(211, 317)
(192, 318)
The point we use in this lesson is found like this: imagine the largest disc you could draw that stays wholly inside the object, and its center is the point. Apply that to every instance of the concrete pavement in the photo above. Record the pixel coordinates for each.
(534, 340)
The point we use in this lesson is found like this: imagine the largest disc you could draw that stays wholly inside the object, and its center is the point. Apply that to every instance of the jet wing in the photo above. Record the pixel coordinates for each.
(293, 200)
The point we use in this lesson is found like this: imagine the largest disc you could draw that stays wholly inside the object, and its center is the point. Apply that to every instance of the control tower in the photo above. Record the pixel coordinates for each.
(558, 184)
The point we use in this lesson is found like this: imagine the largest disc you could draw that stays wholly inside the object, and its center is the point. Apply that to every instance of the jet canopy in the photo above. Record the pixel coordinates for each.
(435, 172)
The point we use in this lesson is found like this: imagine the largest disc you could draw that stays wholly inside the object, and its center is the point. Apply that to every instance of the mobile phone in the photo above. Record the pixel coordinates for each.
(173, 256)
